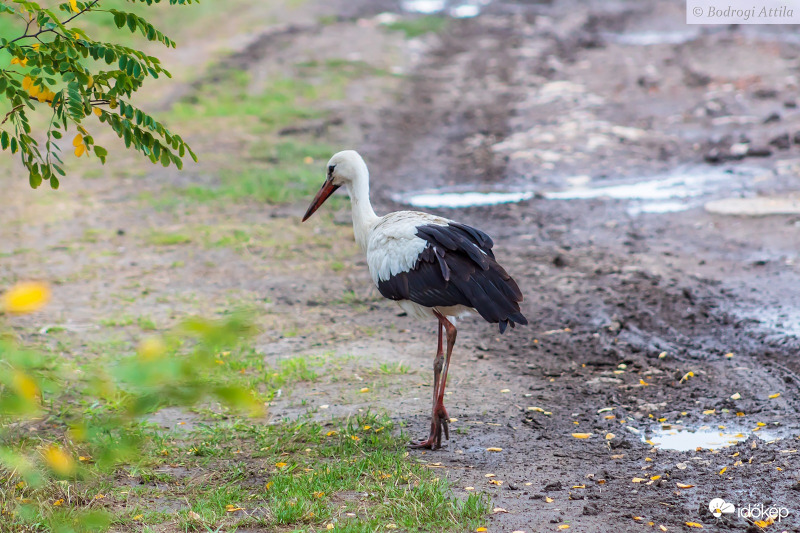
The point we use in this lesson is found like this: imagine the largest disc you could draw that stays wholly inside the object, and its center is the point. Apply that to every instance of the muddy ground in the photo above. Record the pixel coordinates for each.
(646, 312)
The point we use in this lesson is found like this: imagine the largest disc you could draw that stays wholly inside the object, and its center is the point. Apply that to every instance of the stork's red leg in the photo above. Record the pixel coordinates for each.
(439, 417)
(437, 370)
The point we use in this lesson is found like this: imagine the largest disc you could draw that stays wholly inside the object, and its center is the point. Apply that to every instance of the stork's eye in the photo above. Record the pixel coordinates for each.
(330, 170)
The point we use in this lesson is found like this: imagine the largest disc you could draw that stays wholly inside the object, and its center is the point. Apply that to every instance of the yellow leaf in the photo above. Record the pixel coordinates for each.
(331, 433)
(548, 499)
(61, 463)
(494, 449)
(643, 383)
(232, 508)
(773, 396)
(709, 411)
(495, 482)
(481, 529)
(97, 111)
(655, 478)
(151, 348)
(25, 386)
(581, 435)
(74, 6)
(78, 140)
(280, 465)
(99, 496)
(27, 82)
(80, 150)
(138, 517)
(662, 528)
(638, 480)
(684, 486)
(723, 470)
(59, 502)
(26, 297)
(365, 389)
(610, 436)
(90, 83)
(694, 524)
(563, 526)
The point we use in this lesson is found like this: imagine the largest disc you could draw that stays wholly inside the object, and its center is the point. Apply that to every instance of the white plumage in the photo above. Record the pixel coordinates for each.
(430, 265)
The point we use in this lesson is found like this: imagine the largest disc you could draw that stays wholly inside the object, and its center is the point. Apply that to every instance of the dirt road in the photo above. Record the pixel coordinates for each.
(653, 320)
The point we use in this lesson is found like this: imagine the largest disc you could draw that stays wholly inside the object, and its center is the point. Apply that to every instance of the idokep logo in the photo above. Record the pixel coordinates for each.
(756, 512)
(719, 507)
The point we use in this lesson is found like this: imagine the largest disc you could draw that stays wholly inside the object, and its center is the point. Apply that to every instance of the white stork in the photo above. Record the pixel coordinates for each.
(431, 266)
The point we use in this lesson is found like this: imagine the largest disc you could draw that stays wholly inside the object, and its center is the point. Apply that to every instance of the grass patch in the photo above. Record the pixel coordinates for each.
(164, 238)
(415, 27)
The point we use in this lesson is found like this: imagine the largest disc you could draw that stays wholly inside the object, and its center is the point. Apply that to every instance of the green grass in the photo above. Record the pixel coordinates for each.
(232, 472)
(165, 238)
(415, 27)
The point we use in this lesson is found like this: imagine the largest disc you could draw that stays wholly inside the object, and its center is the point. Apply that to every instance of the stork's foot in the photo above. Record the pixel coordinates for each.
(439, 422)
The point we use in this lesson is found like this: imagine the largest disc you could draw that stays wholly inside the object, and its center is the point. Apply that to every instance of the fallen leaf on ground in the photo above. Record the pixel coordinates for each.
(495, 482)
(365, 389)
(494, 449)
(505, 391)
(684, 486)
(638, 480)
(773, 396)
(548, 499)
(498, 510)
(232, 508)
(694, 524)
(581, 435)
(563, 526)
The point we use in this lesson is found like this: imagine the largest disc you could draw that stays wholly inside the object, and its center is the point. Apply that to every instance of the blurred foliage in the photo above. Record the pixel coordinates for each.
(59, 428)
(57, 68)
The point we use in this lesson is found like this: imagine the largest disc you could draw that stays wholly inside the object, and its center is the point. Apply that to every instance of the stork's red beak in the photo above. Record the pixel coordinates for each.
(325, 191)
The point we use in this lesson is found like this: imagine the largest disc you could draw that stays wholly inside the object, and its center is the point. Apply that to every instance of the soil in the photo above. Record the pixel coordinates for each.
(639, 320)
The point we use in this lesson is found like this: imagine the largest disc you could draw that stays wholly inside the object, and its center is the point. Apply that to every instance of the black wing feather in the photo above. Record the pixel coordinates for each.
(457, 267)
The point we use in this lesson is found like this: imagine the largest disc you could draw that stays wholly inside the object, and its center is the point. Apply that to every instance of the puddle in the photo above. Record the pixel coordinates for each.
(465, 199)
(427, 7)
(684, 439)
(678, 191)
(650, 38)
(468, 9)
(661, 195)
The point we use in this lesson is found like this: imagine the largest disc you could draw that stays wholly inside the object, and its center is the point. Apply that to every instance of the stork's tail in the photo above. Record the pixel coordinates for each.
(496, 296)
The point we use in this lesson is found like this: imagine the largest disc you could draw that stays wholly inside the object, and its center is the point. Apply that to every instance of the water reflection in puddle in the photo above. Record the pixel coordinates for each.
(466, 199)
(468, 9)
(683, 439)
(668, 193)
(650, 38)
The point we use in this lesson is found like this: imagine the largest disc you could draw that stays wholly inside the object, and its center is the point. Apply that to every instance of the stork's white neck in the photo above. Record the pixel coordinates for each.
(363, 215)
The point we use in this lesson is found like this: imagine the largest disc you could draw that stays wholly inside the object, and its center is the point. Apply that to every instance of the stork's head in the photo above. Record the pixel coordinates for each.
(344, 168)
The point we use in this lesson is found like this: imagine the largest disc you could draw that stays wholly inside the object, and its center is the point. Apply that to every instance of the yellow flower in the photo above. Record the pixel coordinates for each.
(25, 386)
(151, 348)
(25, 297)
(74, 6)
(61, 463)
